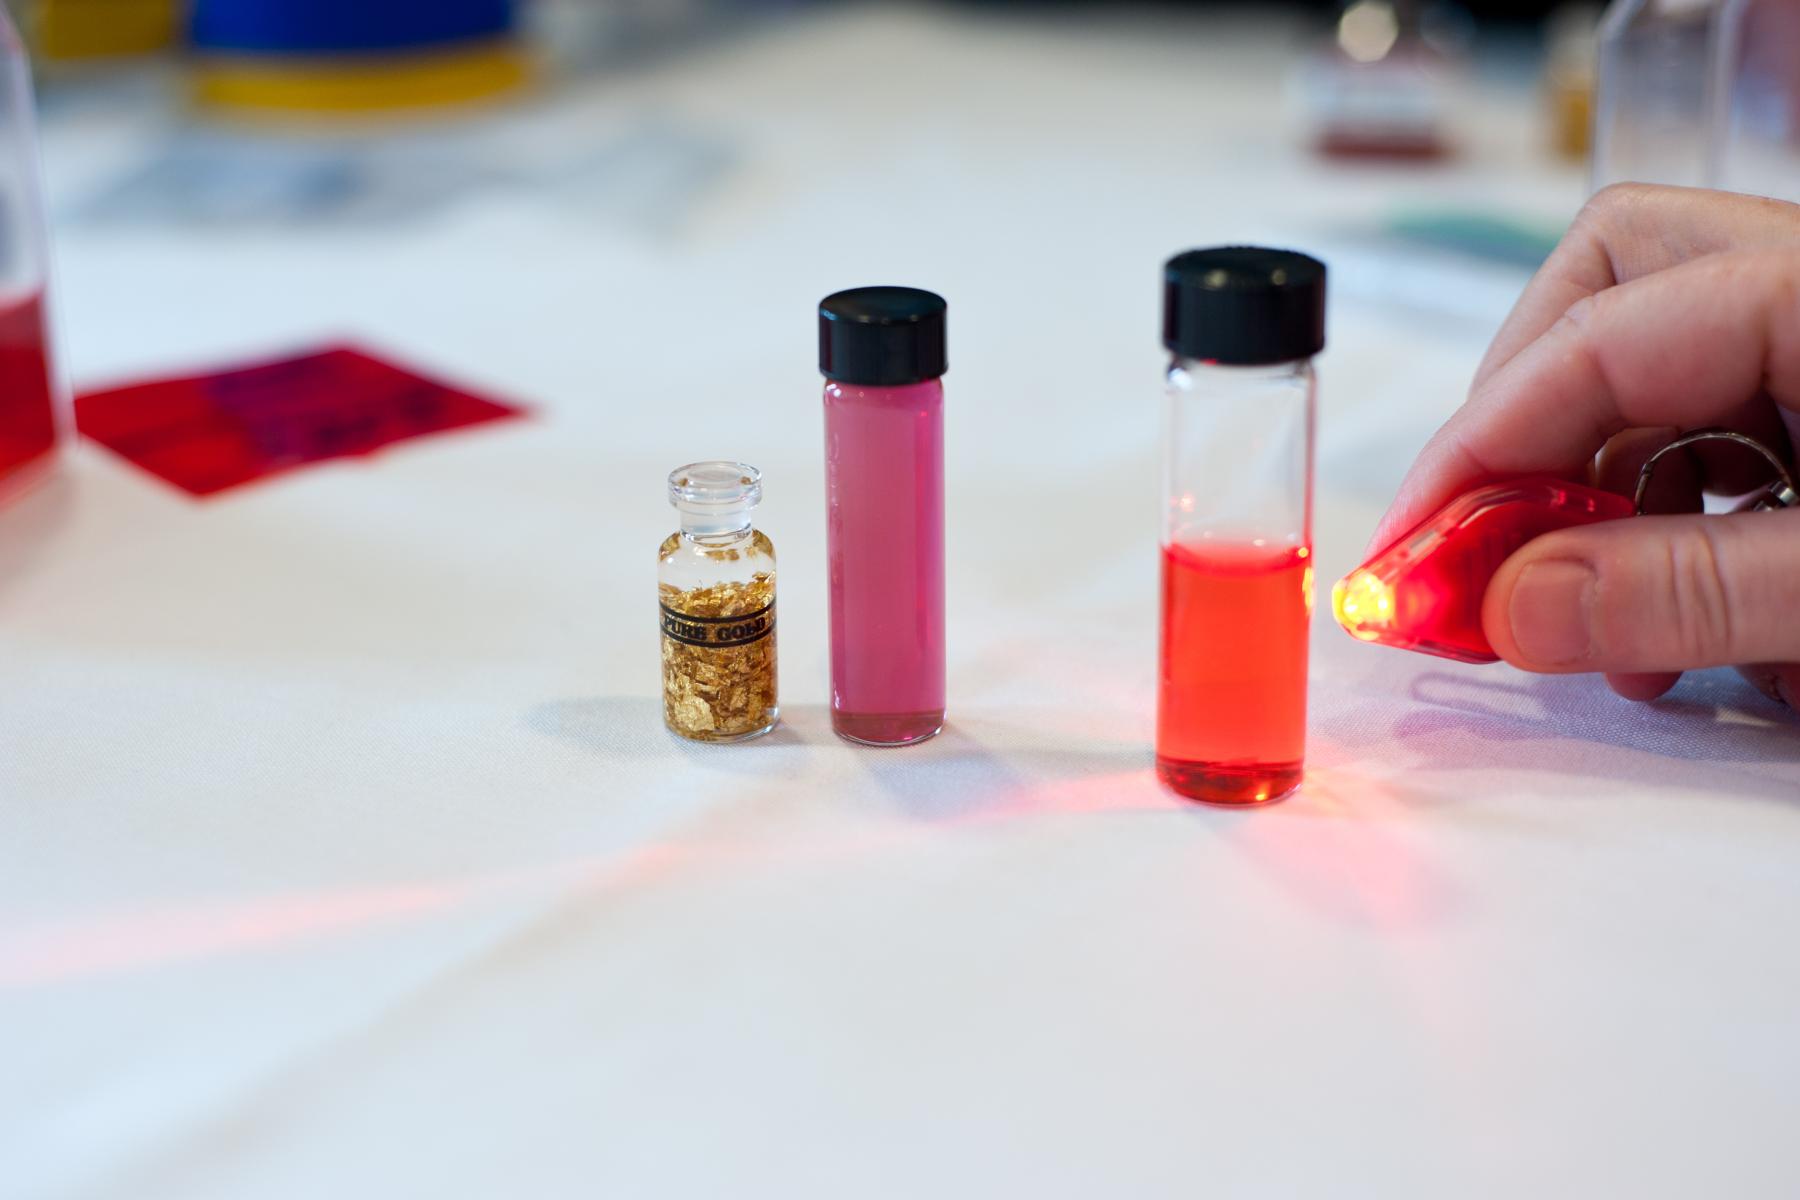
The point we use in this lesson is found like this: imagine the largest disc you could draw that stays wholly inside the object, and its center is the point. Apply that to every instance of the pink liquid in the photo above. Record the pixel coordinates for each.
(27, 419)
(884, 486)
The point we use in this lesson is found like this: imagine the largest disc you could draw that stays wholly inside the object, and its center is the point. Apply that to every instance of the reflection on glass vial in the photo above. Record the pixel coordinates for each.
(716, 588)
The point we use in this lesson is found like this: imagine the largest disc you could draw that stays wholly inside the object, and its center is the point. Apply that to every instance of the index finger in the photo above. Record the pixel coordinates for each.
(1685, 347)
(1626, 232)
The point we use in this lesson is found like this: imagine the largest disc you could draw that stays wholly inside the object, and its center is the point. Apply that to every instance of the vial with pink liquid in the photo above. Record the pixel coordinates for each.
(881, 350)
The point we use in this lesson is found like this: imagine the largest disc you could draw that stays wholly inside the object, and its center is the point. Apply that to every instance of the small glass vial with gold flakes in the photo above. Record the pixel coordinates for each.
(716, 579)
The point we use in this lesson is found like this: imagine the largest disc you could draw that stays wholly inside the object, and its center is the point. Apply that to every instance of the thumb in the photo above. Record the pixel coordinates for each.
(1651, 594)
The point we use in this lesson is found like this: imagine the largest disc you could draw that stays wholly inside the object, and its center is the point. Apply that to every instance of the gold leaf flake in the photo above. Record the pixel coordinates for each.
(716, 693)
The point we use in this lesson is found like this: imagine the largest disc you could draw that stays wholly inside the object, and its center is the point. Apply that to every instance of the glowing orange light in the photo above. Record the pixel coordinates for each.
(1363, 604)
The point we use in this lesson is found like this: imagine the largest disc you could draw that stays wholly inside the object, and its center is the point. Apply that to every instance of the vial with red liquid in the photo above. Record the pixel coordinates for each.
(1242, 324)
(28, 404)
(881, 350)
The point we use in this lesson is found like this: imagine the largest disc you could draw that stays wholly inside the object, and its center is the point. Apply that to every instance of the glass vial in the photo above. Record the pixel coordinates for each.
(1383, 88)
(1571, 39)
(1657, 74)
(30, 403)
(716, 585)
(881, 350)
(1757, 98)
(1242, 324)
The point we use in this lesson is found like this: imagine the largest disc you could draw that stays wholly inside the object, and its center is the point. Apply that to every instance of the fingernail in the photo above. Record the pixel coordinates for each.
(1551, 611)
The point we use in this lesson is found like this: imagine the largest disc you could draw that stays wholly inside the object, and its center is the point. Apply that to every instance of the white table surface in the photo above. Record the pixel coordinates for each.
(342, 852)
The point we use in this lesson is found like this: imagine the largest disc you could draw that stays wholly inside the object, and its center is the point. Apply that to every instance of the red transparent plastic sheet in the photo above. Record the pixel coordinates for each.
(1424, 592)
(209, 433)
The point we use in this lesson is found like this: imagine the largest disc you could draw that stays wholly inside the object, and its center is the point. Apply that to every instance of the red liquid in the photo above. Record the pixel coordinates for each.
(27, 418)
(1231, 711)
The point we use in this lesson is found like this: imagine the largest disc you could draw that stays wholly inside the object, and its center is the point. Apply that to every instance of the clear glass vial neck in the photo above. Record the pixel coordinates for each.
(715, 500)
(1238, 453)
(1201, 375)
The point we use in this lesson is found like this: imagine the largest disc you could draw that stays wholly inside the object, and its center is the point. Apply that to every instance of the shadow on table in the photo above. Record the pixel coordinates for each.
(958, 776)
(1712, 720)
(955, 776)
(631, 726)
(29, 524)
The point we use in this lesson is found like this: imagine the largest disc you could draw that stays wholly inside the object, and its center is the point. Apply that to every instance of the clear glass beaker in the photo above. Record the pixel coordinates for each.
(1757, 99)
(1655, 81)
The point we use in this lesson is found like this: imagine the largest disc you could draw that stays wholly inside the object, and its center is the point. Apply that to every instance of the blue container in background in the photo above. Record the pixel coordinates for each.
(345, 26)
(350, 56)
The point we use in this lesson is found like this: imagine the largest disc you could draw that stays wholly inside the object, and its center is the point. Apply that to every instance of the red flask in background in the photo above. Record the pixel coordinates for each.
(29, 400)
(27, 411)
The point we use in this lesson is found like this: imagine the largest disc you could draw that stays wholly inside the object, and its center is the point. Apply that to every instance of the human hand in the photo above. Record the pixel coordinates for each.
(1663, 310)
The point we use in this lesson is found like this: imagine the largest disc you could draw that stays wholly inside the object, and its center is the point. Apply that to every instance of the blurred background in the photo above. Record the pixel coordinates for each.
(262, 162)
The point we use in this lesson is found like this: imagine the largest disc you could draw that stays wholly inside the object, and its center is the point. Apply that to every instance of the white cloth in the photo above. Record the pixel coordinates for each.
(342, 851)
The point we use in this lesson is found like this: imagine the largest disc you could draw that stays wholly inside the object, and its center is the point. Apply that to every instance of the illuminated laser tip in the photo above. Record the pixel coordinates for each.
(1363, 605)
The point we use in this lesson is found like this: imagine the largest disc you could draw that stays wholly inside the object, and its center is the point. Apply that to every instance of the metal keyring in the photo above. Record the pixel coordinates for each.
(1780, 493)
